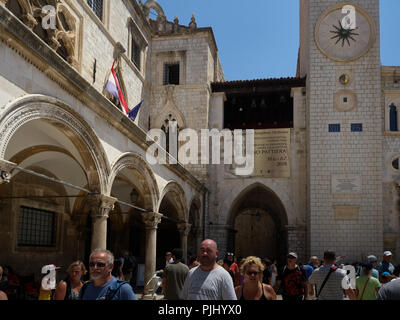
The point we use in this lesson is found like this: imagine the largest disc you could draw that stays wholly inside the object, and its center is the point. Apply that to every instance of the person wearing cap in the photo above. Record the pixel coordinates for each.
(291, 282)
(385, 277)
(330, 281)
(386, 264)
(374, 261)
(367, 286)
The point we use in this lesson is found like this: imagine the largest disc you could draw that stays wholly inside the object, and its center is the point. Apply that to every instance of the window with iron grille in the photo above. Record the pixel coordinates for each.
(36, 228)
(136, 51)
(171, 74)
(97, 7)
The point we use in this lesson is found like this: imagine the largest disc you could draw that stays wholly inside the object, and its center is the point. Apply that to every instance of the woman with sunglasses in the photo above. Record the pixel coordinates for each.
(70, 287)
(253, 288)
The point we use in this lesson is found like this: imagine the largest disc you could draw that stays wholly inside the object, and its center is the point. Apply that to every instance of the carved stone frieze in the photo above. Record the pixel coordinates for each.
(63, 33)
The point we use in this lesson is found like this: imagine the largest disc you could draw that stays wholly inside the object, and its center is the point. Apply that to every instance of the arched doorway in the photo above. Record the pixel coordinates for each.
(258, 223)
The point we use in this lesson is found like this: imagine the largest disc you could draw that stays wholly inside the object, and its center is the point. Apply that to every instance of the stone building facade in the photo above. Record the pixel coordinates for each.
(69, 155)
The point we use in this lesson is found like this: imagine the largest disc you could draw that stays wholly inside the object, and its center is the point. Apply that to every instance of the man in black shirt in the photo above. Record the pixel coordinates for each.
(291, 281)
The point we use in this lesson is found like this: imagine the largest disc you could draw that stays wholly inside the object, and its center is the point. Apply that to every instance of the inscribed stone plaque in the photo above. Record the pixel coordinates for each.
(346, 212)
(346, 184)
(271, 153)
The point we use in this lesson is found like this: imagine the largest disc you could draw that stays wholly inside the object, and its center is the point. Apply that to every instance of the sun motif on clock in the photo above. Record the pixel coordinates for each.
(341, 42)
(343, 34)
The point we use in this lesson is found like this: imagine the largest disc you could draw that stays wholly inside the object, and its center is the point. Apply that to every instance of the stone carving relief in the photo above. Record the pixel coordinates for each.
(62, 38)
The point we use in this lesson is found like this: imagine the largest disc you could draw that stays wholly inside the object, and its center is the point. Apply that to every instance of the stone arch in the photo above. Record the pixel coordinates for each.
(173, 206)
(170, 110)
(66, 120)
(241, 189)
(134, 161)
(179, 196)
(152, 4)
(259, 206)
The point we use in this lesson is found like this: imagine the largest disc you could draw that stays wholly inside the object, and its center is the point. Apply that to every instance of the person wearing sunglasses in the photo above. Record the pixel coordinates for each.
(103, 285)
(253, 288)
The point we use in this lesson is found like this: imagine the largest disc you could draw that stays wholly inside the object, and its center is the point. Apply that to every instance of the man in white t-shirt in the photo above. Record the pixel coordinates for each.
(208, 281)
(337, 283)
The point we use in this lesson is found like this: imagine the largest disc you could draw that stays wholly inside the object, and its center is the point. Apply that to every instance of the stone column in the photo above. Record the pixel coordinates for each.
(184, 229)
(151, 221)
(101, 206)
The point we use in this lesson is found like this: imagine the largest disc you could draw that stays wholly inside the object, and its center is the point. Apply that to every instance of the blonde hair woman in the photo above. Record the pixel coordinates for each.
(69, 288)
(3, 295)
(252, 287)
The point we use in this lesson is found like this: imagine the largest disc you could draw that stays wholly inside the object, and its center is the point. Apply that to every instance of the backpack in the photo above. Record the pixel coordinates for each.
(111, 291)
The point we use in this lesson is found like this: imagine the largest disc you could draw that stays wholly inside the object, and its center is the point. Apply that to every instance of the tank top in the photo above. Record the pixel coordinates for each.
(263, 297)
(71, 294)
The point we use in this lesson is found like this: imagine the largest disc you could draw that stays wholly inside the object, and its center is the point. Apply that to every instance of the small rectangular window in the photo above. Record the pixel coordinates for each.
(356, 127)
(171, 74)
(136, 54)
(334, 128)
(36, 228)
(97, 7)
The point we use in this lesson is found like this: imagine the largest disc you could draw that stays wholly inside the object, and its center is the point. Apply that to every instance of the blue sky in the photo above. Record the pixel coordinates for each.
(260, 38)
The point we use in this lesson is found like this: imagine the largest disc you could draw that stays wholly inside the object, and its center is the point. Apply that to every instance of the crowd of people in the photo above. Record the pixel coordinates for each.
(206, 277)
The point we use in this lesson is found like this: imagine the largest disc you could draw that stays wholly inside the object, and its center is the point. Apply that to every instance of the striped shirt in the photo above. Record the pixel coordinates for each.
(333, 289)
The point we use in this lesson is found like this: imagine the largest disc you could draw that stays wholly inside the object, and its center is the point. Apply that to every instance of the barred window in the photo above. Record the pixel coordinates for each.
(36, 228)
(136, 51)
(97, 7)
(171, 74)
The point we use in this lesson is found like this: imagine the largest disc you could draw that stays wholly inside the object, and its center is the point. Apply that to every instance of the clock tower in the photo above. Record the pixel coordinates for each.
(340, 56)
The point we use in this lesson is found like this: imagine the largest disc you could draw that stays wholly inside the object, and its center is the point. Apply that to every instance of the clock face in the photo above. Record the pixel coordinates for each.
(345, 35)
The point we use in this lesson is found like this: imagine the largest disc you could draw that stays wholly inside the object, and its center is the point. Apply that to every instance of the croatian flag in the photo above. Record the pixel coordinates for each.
(134, 112)
(112, 86)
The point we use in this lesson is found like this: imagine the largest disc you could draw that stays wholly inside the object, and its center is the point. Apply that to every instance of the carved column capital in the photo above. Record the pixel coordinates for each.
(5, 176)
(5, 170)
(101, 205)
(151, 219)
